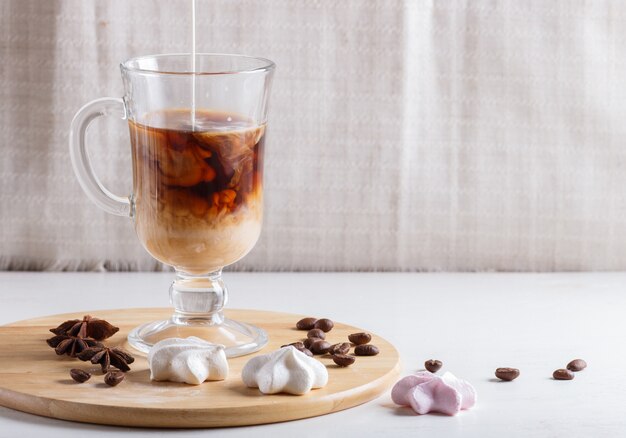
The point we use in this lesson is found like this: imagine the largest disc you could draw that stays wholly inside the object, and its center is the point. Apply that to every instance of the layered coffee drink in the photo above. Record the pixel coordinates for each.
(198, 188)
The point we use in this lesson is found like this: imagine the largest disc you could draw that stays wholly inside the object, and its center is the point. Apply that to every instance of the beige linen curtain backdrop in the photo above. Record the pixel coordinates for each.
(415, 135)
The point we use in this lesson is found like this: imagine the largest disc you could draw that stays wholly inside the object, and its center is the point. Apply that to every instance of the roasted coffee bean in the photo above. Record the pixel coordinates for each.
(114, 378)
(319, 346)
(341, 348)
(563, 374)
(306, 323)
(79, 375)
(577, 365)
(324, 324)
(316, 333)
(343, 360)
(366, 350)
(507, 374)
(433, 365)
(309, 341)
(360, 338)
(299, 345)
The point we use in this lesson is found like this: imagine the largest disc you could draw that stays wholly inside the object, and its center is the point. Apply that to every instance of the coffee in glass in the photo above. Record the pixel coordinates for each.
(198, 189)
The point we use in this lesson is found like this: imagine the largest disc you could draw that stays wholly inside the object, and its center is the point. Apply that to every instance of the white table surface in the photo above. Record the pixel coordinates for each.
(474, 323)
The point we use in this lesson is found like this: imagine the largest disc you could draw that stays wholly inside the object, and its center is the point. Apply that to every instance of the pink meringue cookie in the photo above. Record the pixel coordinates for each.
(400, 393)
(426, 392)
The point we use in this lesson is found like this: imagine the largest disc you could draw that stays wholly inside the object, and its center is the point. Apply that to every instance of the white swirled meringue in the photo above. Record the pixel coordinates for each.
(187, 360)
(285, 370)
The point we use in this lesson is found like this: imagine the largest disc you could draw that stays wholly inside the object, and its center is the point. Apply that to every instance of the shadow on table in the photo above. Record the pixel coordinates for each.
(401, 411)
(54, 427)
(405, 411)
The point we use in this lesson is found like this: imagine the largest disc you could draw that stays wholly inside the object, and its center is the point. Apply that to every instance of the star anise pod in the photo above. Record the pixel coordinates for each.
(89, 327)
(71, 345)
(107, 356)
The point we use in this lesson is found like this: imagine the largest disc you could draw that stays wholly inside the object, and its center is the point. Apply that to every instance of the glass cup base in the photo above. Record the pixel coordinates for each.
(198, 301)
(238, 338)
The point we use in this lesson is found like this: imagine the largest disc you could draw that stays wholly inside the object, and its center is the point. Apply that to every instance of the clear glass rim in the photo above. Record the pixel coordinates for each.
(265, 65)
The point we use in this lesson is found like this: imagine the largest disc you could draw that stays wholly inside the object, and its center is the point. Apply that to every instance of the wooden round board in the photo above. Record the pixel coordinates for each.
(34, 379)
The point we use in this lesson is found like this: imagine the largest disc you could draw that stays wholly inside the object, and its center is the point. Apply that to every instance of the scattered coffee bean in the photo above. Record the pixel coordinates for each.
(316, 333)
(309, 341)
(507, 374)
(577, 365)
(563, 374)
(366, 350)
(341, 348)
(299, 345)
(433, 365)
(79, 375)
(319, 346)
(324, 324)
(306, 323)
(343, 360)
(114, 378)
(360, 338)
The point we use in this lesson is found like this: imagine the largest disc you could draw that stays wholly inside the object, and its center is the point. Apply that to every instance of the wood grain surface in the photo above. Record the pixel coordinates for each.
(34, 379)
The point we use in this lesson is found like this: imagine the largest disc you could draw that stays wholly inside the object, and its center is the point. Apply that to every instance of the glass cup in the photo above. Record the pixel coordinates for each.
(197, 133)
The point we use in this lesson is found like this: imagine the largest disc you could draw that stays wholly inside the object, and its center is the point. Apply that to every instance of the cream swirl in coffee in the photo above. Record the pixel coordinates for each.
(198, 191)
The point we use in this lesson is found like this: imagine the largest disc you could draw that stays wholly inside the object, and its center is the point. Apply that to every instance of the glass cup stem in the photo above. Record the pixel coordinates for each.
(198, 299)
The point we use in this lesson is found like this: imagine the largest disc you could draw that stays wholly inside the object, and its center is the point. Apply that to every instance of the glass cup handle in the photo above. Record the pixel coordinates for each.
(106, 106)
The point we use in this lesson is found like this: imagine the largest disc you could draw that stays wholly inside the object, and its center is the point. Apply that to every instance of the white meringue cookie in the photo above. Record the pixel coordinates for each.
(190, 360)
(285, 370)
